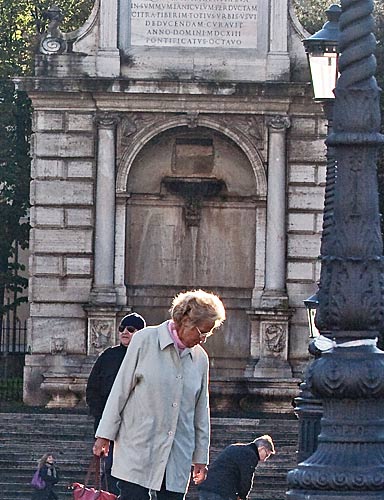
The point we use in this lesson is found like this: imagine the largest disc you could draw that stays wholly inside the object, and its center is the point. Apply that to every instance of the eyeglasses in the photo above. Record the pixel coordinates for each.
(204, 335)
(131, 329)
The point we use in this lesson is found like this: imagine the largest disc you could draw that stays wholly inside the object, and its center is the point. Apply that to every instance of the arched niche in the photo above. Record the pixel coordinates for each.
(193, 204)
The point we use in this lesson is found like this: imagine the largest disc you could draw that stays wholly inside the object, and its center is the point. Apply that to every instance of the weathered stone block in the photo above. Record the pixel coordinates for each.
(64, 310)
(51, 329)
(307, 246)
(302, 174)
(323, 127)
(300, 271)
(64, 145)
(79, 168)
(47, 168)
(318, 222)
(321, 174)
(297, 292)
(63, 241)
(299, 339)
(303, 126)
(78, 217)
(61, 289)
(311, 150)
(304, 198)
(46, 264)
(78, 265)
(63, 193)
(43, 216)
(48, 120)
(81, 122)
(301, 222)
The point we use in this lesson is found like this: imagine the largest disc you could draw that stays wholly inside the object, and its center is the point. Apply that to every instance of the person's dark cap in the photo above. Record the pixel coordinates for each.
(134, 320)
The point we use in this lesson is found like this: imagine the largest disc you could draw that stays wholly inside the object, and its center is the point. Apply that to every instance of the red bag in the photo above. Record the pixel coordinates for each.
(84, 492)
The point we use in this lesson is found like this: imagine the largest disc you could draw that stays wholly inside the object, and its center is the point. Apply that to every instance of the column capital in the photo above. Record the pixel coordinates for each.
(279, 122)
(105, 119)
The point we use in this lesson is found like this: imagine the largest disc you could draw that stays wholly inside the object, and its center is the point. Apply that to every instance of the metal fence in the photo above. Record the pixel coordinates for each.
(13, 335)
(11, 389)
(13, 346)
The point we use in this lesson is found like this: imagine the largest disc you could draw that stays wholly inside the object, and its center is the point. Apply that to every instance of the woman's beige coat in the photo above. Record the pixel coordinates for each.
(158, 412)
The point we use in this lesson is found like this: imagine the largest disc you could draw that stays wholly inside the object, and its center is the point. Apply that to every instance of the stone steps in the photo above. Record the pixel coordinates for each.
(24, 437)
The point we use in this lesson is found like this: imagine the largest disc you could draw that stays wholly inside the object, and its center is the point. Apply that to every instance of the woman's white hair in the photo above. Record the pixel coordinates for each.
(199, 306)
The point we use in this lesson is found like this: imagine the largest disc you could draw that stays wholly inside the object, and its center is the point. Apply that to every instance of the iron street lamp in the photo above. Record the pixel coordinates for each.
(322, 53)
(348, 463)
(322, 50)
(311, 307)
(308, 408)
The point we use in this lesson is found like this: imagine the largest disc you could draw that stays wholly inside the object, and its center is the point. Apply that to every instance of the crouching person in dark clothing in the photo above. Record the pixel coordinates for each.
(230, 476)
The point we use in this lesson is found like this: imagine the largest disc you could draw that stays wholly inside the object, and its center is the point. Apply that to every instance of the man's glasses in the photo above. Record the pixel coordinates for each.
(131, 329)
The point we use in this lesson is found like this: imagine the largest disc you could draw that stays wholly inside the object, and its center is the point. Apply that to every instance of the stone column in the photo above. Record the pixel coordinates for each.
(274, 294)
(278, 62)
(108, 57)
(103, 291)
(120, 243)
(270, 321)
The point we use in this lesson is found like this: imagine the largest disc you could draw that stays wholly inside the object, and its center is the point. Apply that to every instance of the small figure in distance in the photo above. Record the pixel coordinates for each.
(230, 476)
(103, 375)
(49, 473)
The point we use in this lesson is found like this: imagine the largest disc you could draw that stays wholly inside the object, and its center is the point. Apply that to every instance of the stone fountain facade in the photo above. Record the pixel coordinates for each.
(175, 146)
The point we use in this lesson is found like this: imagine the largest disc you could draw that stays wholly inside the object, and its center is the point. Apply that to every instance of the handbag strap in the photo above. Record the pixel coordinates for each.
(94, 471)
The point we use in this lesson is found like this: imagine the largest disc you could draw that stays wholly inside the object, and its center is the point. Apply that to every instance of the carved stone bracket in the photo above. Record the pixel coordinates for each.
(101, 328)
(269, 344)
(193, 119)
(250, 125)
(279, 122)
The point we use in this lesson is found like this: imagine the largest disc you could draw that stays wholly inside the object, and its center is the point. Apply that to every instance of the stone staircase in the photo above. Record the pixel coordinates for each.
(24, 437)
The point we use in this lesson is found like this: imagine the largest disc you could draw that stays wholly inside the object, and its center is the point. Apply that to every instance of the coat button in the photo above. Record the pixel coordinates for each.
(174, 405)
(170, 433)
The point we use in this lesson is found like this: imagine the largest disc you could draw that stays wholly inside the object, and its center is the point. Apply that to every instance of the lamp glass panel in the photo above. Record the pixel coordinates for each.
(324, 74)
(313, 331)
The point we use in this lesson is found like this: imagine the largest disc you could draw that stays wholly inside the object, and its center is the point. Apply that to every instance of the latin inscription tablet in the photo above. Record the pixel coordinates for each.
(194, 23)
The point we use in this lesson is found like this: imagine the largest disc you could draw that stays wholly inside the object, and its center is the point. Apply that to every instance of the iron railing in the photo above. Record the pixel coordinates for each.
(13, 335)
(13, 346)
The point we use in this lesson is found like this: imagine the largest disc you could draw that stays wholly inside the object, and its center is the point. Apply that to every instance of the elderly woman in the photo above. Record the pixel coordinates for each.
(157, 412)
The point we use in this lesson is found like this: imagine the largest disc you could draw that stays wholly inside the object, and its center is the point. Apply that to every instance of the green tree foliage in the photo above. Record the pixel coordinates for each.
(15, 129)
(21, 24)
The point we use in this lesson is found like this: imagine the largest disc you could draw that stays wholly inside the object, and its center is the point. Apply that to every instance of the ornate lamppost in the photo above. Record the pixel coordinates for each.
(349, 379)
(322, 52)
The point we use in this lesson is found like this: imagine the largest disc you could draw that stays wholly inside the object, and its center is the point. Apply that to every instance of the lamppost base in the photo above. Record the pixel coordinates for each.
(333, 495)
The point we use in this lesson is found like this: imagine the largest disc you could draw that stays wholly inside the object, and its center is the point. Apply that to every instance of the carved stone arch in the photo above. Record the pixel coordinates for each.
(146, 259)
(154, 129)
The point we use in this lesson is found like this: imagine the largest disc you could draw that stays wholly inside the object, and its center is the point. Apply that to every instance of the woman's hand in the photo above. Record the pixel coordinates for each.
(101, 447)
(199, 473)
